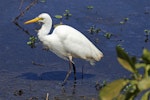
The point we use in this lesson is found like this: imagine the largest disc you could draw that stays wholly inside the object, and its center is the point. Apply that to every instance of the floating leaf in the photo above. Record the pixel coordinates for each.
(58, 16)
(146, 96)
(93, 30)
(29, 43)
(112, 90)
(147, 32)
(90, 7)
(67, 11)
(124, 21)
(108, 35)
(67, 14)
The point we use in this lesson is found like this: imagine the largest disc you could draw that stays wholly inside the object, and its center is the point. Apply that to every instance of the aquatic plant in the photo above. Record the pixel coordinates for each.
(124, 20)
(32, 41)
(67, 14)
(90, 7)
(108, 35)
(93, 30)
(147, 33)
(58, 16)
(129, 88)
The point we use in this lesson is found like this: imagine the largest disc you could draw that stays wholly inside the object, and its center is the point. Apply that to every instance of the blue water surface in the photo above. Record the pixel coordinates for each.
(18, 73)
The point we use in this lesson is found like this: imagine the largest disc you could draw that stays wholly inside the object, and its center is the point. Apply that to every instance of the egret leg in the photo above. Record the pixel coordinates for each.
(69, 71)
(68, 74)
(71, 64)
(74, 85)
(74, 69)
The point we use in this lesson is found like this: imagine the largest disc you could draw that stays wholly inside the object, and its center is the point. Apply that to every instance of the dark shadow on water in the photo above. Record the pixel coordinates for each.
(54, 75)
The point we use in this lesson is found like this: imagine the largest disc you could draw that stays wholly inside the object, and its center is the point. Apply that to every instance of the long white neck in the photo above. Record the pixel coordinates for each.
(45, 29)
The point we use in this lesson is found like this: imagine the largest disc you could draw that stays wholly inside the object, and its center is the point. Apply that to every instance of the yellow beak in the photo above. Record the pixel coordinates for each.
(33, 20)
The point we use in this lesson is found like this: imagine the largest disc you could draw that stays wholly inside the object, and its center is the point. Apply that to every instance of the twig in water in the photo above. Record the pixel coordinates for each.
(15, 21)
(25, 10)
(21, 4)
(37, 64)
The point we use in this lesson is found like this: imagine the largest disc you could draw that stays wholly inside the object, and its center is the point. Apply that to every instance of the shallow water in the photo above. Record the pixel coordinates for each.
(19, 75)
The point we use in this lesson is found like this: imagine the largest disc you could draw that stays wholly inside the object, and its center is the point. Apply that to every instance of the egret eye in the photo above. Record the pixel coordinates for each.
(41, 18)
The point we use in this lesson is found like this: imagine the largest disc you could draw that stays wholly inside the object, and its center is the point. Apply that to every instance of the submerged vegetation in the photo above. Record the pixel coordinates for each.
(67, 14)
(124, 21)
(32, 41)
(94, 30)
(58, 17)
(108, 35)
(90, 7)
(147, 33)
(129, 88)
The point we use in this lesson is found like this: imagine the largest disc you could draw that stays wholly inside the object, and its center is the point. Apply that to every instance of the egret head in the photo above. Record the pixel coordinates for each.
(44, 18)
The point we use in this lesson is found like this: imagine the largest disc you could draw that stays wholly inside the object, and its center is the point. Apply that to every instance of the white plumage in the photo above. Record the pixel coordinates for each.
(65, 41)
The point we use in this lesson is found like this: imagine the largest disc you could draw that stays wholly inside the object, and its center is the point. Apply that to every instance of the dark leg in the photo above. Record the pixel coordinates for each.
(68, 74)
(74, 69)
(71, 64)
(74, 85)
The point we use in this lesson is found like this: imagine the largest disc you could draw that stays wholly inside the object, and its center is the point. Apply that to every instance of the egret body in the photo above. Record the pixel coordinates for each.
(66, 42)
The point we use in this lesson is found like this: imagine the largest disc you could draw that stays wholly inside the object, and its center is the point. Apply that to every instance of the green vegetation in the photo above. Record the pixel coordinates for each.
(90, 7)
(124, 21)
(32, 41)
(129, 88)
(108, 35)
(58, 16)
(67, 14)
(147, 33)
(93, 30)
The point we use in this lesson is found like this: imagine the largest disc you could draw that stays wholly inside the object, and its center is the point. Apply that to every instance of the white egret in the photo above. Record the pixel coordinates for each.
(66, 42)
